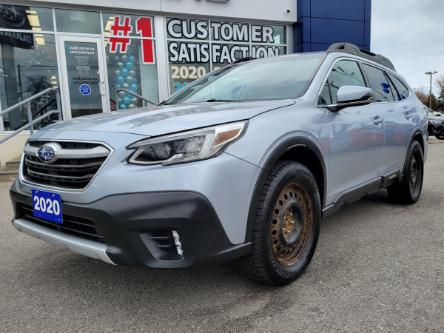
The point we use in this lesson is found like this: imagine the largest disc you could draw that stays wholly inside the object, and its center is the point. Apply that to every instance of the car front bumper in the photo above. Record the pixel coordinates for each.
(136, 229)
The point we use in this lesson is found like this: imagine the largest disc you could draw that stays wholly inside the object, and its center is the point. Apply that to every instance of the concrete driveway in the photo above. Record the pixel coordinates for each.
(378, 268)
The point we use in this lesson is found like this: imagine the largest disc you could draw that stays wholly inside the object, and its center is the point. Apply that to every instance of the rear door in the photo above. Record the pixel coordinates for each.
(394, 115)
(399, 125)
(356, 133)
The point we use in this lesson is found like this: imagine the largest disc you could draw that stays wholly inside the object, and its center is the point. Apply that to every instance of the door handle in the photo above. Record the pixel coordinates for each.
(408, 114)
(378, 121)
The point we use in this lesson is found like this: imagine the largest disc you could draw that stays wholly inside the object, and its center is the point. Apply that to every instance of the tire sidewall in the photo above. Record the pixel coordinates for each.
(299, 175)
(415, 150)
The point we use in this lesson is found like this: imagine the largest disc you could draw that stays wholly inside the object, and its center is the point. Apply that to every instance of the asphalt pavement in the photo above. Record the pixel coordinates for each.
(378, 267)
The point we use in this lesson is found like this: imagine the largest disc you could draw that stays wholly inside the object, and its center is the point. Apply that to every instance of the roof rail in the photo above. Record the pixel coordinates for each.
(246, 59)
(353, 49)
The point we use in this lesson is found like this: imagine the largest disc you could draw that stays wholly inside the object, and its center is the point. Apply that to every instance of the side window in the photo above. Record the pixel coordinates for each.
(379, 83)
(403, 91)
(344, 73)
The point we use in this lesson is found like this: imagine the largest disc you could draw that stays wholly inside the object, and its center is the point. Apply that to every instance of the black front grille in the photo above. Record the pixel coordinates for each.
(71, 225)
(75, 172)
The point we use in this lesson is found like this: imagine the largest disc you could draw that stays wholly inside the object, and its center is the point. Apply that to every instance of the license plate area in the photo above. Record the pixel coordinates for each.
(47, 206)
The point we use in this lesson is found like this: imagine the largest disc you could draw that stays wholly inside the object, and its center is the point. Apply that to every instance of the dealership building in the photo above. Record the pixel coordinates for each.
(101, 55)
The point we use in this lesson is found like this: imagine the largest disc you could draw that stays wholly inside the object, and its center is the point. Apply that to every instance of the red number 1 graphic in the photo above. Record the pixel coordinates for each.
(144, 27)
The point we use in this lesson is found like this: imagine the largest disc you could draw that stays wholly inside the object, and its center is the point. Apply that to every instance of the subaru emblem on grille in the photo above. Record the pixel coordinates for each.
(47, 153)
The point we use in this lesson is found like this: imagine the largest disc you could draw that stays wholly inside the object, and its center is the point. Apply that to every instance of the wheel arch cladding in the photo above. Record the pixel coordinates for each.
(417, 136)
(300, 150)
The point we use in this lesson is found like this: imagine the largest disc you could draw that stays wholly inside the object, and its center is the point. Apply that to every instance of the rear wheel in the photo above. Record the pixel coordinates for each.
(286, 227)
(409, 189)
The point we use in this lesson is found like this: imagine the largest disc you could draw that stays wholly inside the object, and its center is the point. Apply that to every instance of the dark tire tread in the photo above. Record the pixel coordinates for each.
(255, 265)
(400, 192)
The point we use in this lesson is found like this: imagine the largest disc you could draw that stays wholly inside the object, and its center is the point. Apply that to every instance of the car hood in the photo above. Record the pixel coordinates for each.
(165, 119)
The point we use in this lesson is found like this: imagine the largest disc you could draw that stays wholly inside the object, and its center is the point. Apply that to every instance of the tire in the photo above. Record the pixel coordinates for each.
(409, 189)
(286, 226)
(440, 137)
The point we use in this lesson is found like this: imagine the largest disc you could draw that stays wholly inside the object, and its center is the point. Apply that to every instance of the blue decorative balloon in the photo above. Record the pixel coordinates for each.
(126, 99)
(120, 64)
(123, 106)
(129, 65)
(124, 57)
(132, 72)
(124, 71)
(131, 106)
(125, 85)
(134, 87)
(117, 72)
(120, 79)
(131, 58)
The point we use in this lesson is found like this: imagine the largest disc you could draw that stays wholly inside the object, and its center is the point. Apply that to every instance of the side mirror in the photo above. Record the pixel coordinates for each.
(349, 96)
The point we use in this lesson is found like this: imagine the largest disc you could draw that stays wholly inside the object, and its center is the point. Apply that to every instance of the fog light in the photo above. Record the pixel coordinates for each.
(177, 243)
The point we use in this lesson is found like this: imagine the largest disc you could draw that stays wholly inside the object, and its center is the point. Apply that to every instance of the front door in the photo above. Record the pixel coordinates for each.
(356, 134)
(83, 83)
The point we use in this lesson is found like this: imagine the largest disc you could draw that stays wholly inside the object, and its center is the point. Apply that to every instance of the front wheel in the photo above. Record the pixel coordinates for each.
(286, 226)
(409, 189)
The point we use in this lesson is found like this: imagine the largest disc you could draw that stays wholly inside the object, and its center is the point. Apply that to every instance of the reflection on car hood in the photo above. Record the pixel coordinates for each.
(435, 118)
(165, 119)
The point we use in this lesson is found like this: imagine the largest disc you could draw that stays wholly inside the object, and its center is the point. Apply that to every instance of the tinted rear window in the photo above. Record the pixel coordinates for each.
(403, 90)
(379, 83)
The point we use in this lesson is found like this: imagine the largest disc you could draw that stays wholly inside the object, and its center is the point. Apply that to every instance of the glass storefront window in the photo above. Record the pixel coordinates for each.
(25, 71)
(133, 68)
(26, 18)
(77, 21)
(197, 46)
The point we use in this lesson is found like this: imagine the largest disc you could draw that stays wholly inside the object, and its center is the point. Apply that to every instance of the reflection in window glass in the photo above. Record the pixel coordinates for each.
(286, 77)
(77, 21)
(26, 18)
(25, 72)
(403, 91)
(379, 83)
(132, 69)
(82, 66)
(344, 73)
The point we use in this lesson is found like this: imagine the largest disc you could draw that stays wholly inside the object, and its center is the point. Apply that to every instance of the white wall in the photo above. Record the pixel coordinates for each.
(276, 10)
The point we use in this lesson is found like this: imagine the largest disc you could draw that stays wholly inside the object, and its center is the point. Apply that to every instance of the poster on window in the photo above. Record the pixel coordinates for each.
(197, 46)
(131, 61)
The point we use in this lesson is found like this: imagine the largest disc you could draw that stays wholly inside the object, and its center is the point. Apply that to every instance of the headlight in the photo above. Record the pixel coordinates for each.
(186, 146)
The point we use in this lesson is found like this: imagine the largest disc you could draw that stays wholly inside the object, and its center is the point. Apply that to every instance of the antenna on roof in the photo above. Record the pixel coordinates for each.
(353, 49)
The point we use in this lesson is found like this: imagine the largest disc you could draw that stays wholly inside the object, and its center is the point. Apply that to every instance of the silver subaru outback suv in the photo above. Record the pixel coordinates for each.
(241, 164)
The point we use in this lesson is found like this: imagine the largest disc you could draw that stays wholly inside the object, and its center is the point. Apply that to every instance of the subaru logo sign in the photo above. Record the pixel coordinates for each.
(47, 153)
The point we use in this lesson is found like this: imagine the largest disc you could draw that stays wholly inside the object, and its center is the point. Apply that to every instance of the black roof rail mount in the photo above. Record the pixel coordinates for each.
(241, 60)
(355, 50)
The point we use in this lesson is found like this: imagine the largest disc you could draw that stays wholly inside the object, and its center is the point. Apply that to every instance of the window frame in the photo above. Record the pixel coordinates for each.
(330, 70)
(387, 78)
(390, 75)
(360, 63)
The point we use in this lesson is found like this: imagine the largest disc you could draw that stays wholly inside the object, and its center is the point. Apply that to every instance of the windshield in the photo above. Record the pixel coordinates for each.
(273, 78)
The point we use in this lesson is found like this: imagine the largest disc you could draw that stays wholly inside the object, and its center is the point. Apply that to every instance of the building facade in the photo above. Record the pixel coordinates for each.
(151, 48)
